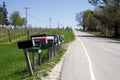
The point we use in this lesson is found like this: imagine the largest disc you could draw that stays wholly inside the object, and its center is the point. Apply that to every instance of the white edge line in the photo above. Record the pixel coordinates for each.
(89, 60)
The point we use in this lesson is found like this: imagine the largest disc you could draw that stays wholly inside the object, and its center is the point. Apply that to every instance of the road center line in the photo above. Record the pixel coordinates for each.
(89, 60)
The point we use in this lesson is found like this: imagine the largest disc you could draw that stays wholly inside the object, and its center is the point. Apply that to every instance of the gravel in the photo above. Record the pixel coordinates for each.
(55, 72)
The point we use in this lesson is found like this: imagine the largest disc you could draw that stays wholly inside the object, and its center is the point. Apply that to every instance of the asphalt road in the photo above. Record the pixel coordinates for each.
(91, 58)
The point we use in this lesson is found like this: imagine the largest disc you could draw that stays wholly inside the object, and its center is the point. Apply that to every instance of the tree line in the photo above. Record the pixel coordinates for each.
(105, 18)
(14, 19)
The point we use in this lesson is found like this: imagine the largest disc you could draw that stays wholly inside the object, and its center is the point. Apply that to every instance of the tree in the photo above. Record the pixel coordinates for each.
(87, 20)
(99, 3)
(91, 23)
(110, 14)
(79, 19)
(2, 20)
(3, 13)
(22, 21)
(85, 16)
(16, 19)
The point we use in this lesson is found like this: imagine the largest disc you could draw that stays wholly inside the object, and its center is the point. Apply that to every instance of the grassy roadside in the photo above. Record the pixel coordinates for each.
(47, 66)
(98, 35)
(12, 62)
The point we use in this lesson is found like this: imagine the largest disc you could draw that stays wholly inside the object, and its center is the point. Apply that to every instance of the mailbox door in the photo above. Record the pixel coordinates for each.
(50, 39)
(43, 40)
(25, 44)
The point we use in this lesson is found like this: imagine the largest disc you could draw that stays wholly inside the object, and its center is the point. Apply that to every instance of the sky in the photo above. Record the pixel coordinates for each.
(61, 12)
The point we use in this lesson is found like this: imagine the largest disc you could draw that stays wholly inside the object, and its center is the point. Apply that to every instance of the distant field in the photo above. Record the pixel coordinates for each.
(12, 62)
(14, 35)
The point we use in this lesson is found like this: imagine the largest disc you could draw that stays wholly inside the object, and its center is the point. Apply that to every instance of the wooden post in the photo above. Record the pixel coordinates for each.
(34, 61)
(28, 34)
(28, 62)
(54, 50)
(48, 50)
(57, 47)
(39, 57)
(60, 46)
(51, 52)
(9, 35)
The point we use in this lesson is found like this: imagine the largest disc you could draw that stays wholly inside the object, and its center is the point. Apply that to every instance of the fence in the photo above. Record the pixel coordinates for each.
(13, 35)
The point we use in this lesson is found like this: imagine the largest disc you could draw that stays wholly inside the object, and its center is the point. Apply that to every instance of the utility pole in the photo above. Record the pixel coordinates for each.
(58, 25)
(26, 8)
(28, 34)
(50, 22)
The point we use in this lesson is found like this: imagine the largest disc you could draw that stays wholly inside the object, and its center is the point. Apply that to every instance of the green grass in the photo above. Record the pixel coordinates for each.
(13, 65)
(11, 62)
(69, 36)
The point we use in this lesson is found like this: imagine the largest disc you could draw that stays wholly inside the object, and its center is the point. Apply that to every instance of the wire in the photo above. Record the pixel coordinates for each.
(36, 19)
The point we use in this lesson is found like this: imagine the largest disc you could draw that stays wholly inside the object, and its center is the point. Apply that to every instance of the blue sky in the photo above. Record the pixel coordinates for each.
(39, 12)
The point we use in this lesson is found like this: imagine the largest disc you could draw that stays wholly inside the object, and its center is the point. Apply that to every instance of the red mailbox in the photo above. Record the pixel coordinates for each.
(43, 40)
(39, 38)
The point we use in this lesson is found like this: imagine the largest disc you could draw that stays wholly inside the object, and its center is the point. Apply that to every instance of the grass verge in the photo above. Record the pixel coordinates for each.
(13, 65)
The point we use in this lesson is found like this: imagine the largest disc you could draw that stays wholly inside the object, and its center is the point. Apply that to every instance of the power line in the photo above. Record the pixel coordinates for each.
(35, 18)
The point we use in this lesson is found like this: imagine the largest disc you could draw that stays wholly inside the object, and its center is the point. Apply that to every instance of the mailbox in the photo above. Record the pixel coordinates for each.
(41, 38)
(25, 44)
(51, 39)
(61, 38)
(36, 43)
(56, 39)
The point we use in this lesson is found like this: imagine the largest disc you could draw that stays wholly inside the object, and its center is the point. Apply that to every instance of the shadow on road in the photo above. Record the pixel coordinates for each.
(116, 42)
(99, 39)
(86, 36)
